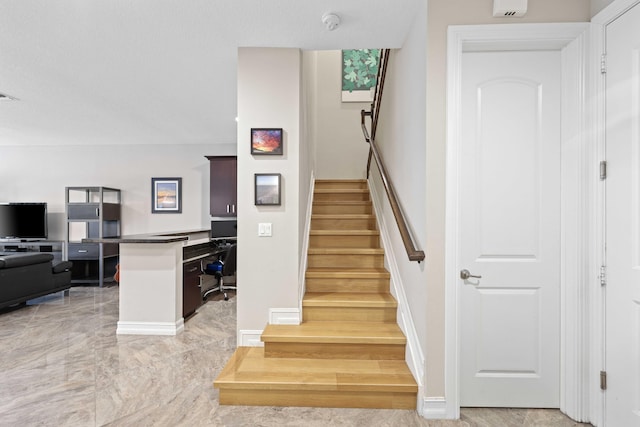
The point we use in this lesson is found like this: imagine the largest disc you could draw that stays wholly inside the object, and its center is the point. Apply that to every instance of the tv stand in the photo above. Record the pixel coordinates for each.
(54, 247)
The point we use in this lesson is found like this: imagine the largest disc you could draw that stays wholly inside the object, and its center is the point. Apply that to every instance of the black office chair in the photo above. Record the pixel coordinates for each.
(228, 269)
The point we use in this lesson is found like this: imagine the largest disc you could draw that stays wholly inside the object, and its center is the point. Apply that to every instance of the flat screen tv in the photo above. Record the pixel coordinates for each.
(23, 221)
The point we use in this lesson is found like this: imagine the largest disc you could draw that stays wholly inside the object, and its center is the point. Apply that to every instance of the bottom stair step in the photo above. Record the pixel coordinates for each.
(249, 378)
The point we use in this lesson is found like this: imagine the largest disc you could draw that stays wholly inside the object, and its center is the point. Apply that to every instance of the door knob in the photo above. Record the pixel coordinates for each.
(464, 275)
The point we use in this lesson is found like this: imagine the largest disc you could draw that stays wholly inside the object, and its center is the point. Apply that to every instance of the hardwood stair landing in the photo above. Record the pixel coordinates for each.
(349, 350)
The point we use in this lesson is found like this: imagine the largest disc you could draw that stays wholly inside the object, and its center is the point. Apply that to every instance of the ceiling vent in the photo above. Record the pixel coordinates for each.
(509, 8)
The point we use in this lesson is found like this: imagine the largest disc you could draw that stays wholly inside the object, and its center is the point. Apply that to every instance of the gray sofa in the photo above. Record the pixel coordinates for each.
(25, 276)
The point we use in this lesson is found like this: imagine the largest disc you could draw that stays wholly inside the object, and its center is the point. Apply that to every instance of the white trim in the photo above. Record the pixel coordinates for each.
(414, 356)
(451, 334)
(150, 328)
(302, 286)
(487, 37)
(597, 224)
(284, 316)
(434, 408)
(574, 395)
(250, 338)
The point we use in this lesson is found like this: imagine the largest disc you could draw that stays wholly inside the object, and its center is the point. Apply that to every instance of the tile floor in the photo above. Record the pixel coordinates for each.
(61, 364)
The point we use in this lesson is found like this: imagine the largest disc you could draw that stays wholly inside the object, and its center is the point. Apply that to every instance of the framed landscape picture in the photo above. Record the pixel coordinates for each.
(267, 189)
(166, 195)
(266, 141)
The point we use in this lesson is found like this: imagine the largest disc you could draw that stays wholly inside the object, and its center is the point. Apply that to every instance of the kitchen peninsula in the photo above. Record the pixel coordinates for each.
(151, 280)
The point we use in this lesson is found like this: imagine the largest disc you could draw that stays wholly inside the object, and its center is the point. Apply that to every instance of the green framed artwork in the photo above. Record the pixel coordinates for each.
(359, 71)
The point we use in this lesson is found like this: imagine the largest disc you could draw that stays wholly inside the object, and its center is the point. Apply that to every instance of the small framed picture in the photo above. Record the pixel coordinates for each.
(266, 141)
(166, 195)
(267, 189)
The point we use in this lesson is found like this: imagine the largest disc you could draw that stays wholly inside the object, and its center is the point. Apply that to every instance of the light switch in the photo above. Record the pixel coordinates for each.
(264, 229)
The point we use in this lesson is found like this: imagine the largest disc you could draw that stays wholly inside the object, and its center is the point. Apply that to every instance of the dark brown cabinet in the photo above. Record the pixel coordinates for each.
(223, 188)
(191, 296)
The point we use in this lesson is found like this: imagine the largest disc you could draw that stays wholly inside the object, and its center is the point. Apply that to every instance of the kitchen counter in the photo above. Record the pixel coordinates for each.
(190, 236)
(151, 280)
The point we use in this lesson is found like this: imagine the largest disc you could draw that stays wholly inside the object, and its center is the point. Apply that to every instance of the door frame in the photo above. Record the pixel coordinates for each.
(574, 375)
(597, 152)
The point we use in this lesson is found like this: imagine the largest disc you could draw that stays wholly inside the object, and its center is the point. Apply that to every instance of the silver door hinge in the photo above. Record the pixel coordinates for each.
(603, 64)
(603, 170)
(603, 275)
(603, 380)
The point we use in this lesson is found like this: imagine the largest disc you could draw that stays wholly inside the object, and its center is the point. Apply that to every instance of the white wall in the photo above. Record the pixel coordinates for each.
(598, 5)
(401, 141)
(341, 152)
(269, 93)
(41, 173)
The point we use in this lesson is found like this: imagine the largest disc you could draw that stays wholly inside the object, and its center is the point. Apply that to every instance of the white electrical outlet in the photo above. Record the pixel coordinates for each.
(264, 229)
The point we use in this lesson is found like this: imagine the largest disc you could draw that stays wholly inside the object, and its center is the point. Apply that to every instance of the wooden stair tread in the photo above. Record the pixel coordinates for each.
(347, 273)
(361, 232)
(343, 202)
(348, 299)
(331, 181)
(341, 190)
(342, 216)
(335, 332)
(249, 369)
(345, 251)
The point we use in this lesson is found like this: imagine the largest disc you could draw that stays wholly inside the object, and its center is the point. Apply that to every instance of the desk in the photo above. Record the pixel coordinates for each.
(194, 282)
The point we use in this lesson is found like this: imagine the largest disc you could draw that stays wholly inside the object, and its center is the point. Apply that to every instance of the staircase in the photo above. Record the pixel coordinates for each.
(349, 351)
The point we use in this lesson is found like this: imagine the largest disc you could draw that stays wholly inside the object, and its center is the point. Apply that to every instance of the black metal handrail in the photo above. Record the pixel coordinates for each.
(413, 253)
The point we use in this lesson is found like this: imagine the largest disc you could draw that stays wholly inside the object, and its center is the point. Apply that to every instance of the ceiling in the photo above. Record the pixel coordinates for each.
(157, 71)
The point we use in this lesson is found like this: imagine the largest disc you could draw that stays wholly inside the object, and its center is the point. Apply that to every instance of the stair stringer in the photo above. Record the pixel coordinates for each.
(304, 251)
(414, 356)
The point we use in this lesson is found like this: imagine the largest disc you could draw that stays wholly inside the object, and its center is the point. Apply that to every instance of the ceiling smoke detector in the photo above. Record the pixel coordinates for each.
(509, 8)
(331, 21)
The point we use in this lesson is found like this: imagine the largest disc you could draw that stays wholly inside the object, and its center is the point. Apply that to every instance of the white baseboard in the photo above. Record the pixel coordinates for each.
(150, 328)
(434, 408)
(415, 357)
(249, 338)
(284, 316)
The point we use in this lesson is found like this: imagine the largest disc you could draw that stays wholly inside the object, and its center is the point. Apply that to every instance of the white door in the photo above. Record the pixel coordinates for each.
(622, 355)
(509, 229)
